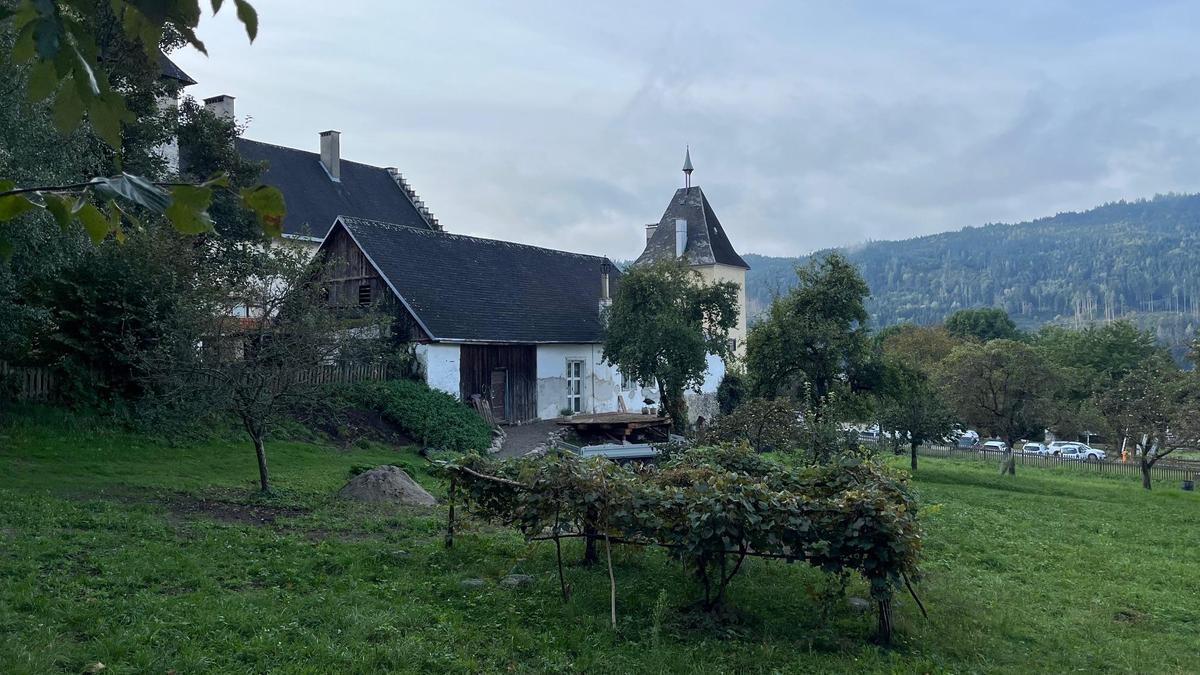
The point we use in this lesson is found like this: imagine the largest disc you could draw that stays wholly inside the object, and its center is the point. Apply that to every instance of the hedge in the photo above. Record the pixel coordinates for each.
(433, 418)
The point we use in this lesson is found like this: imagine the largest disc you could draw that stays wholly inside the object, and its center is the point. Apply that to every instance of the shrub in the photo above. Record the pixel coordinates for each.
(764, 424)
(731, 392)
(433, 418)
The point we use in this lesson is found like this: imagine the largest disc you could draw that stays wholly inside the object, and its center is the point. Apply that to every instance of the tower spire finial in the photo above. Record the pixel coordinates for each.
(687, 167)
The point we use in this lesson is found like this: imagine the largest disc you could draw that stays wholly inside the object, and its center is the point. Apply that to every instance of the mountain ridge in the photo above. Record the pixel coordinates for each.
(1125, 259)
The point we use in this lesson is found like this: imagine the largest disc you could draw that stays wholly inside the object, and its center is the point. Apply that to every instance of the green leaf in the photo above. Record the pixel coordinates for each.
(13, 206)
(216, 5)
(248, 16)
(106, 113)
(94, 222)
(187, 210)
(58, 207)
(43, 77)
(133, 189)
(267, 203)
(68, 108)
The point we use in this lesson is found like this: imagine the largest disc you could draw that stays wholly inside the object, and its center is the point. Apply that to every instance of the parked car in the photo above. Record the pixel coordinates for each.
(996, 446)
(1036, 449)
(1081, 452)
(968, 439)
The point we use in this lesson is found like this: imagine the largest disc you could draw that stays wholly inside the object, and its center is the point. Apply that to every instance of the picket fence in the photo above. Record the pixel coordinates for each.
(1165, 469)
(26, 383)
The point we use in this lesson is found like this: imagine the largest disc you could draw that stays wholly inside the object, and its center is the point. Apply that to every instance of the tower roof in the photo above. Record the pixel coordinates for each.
(707, 243)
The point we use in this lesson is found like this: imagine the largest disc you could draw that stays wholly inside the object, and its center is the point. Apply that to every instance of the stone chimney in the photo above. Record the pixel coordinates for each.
(680, 237)
(221, 106)
(331, 153)
(650, 230)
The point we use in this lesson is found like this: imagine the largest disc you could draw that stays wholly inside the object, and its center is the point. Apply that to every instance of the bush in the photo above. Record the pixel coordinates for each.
(433, 418)
(764, 424)
(731, 392)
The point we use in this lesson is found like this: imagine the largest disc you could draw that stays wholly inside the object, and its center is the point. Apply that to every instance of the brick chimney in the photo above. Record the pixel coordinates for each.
(650, 230)
(331, 153)
(220, 105)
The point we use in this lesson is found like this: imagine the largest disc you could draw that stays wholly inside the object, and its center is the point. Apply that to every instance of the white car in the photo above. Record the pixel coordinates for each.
(1036, 449)
(1081, 452)
(995, 446)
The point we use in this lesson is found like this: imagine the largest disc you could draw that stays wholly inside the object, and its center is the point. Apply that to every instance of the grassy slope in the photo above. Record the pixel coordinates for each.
(103, 557)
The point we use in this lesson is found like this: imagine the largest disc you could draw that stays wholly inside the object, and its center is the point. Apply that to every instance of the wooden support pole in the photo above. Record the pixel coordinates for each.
(450, 519)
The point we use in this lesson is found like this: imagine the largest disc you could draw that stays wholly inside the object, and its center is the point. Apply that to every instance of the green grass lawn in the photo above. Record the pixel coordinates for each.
(151, 558)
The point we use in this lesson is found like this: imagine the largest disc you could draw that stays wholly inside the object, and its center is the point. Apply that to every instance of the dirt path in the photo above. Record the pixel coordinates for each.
(519, 440)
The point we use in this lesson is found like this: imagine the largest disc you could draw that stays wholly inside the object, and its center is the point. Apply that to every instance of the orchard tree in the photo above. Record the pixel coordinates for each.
(920, 347)
(262, 365)
(1157, 409)
(982, 323)
(1003, 387)
(663, 323)
(912, 408)
(813, 343)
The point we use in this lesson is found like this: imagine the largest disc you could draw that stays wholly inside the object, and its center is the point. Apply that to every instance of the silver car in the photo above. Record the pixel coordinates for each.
(1081, 452)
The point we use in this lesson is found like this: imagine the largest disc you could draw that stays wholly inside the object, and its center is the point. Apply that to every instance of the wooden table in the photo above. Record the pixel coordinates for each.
(618, 424)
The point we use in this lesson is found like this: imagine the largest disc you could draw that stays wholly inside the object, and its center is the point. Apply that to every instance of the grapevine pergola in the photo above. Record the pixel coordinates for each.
(710, 509)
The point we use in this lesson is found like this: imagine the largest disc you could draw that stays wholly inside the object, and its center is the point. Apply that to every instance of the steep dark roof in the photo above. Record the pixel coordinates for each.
(168, 69)
(314, 199)
(483, 290)
(706, 241)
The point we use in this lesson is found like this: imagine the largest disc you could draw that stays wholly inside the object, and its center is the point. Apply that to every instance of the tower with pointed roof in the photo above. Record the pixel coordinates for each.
(689, 230)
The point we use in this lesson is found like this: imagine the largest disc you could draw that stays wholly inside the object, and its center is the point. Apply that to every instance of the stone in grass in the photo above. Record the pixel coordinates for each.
(471, 583)
(860, 605)
(386, 484)
(516, 580)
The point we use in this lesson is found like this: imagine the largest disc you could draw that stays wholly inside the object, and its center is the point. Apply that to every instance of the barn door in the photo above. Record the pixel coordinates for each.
(499, 394)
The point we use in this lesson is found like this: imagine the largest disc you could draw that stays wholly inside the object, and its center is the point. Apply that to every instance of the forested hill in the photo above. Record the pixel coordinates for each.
(1139, 259)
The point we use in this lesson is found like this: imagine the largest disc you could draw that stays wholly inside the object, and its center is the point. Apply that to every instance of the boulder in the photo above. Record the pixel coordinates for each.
(386, 484)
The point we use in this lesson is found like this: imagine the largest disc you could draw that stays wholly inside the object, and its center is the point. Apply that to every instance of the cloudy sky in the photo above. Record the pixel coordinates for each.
(811, 124)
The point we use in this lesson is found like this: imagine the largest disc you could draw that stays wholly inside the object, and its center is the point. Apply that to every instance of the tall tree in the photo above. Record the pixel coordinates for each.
(982, 323)
(1004, 387)
(663, 323)
(1157, 409)
(260, 366)
(922, 347)
(912, 408)
(813, 342)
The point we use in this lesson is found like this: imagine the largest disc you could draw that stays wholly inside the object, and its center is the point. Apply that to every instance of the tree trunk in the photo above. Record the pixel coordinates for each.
(1010, 459)
(261, 452)
(1146, 466)
(913, 449)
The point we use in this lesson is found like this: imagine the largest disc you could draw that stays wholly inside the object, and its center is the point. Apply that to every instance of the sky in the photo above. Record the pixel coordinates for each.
(811, 124)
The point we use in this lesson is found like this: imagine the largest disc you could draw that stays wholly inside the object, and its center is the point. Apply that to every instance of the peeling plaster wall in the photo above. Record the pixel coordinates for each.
(600, 387)
(601, 384)
(441, 365)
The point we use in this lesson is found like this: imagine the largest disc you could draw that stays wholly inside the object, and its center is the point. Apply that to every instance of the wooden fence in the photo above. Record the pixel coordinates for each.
(26, 383)
(1166, 469)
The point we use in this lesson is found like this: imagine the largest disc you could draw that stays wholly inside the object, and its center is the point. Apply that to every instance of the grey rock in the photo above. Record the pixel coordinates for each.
(386, 484)
(516, 580)
(859, 605)
(471, 583)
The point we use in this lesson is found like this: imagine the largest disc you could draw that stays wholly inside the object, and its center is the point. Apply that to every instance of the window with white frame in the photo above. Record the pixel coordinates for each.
(574, 385)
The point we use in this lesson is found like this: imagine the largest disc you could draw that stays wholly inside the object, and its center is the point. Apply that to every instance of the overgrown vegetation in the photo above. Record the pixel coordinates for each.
(149, 558)
(430, 417)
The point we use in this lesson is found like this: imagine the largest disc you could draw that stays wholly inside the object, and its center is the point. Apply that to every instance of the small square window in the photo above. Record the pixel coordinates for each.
(364, 294)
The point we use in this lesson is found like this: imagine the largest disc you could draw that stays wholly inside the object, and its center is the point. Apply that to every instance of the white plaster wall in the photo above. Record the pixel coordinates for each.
(441, 365)
(601, 384)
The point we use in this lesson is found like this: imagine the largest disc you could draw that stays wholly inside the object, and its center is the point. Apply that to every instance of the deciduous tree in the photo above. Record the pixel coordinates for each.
(663, 323)
(1003, 387)
(982, 323)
